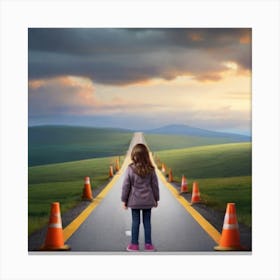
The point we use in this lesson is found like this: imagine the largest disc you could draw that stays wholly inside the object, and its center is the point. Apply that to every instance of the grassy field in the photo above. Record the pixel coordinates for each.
(217, 192)
(158, 142)
(222, 171)
(61, 182)
(226, 160)
(54, 144)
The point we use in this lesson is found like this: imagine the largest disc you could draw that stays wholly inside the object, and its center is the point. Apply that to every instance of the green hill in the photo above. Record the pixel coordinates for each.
(158, 142)
(223, 172)
(53, 144)
(225, 160)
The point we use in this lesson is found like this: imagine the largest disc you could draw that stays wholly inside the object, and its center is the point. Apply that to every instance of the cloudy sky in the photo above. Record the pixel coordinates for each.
(140, 78)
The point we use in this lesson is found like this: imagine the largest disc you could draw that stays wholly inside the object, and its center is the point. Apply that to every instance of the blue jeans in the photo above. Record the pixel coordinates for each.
(146, 218)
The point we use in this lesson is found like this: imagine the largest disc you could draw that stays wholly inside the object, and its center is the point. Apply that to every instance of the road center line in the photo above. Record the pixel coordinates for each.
(76, 223)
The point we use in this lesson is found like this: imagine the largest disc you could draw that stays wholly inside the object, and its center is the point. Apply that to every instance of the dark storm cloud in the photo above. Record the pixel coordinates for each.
(123, 56)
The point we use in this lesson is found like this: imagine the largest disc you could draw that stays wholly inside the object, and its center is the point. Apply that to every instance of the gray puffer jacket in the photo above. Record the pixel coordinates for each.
(140, 192)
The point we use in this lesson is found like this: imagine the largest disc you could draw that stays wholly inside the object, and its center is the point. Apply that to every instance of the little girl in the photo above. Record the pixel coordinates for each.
(140, 192)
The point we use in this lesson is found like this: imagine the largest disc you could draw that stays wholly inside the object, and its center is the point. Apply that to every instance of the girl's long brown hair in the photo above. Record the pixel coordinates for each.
(141, 159)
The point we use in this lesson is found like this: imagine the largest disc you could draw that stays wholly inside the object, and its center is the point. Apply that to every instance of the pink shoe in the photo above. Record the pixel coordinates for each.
(132, 248)
(149, 248)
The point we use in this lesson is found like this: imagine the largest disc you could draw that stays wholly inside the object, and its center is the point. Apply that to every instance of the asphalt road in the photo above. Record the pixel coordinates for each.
(108, 227)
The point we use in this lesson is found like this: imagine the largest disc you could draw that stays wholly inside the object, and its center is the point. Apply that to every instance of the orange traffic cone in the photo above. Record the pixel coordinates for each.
(230, 240)
(117, 164)
(163, 169)
(195, 193)
(111, 171)
(170, 177)
(87, 194)
(54, 239)
(184, 185)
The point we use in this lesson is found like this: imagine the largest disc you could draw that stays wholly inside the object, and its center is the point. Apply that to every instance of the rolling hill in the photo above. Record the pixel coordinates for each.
(224, 174)
(212, 161)
(54, 144)
(158, 142)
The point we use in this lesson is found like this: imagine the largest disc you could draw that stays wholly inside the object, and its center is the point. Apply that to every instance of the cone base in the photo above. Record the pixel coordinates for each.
(195, 202)
(230, 248)
(61, 248)
(87, 198)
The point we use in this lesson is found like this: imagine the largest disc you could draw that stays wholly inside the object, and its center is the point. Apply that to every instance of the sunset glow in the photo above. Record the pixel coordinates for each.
(142, 78)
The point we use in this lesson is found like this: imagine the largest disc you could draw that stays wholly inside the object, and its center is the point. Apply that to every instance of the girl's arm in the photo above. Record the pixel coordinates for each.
(155, 187)
(126, 187)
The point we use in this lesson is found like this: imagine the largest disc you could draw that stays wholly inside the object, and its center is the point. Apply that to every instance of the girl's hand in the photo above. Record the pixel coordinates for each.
(156, 204)
(124, 206)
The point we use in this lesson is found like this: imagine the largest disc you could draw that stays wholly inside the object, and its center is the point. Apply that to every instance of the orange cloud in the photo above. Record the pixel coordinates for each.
(75, 95)
(245, 39)
(35, 84)
(209, 77)
(196, 37)
(61, 95)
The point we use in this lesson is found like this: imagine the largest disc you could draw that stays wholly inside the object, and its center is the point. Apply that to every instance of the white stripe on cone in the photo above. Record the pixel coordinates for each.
(228, 216)
(230, 226)
(58, 225)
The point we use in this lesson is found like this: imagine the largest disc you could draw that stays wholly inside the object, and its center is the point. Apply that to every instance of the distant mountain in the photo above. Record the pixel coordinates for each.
(194, 131)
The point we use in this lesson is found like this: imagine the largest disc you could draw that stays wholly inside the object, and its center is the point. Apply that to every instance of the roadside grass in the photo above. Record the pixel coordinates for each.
(62, 182)
(217, 192)
(40, 197)
(70, 171)
(225, 160)
(222, 171)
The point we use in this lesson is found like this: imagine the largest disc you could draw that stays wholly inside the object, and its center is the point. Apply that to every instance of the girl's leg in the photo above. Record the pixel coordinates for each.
(147, 225)
(135, 225)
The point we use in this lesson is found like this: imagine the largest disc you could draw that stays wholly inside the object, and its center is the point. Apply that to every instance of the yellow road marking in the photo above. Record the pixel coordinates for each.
(76, 223)
(211, 231)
